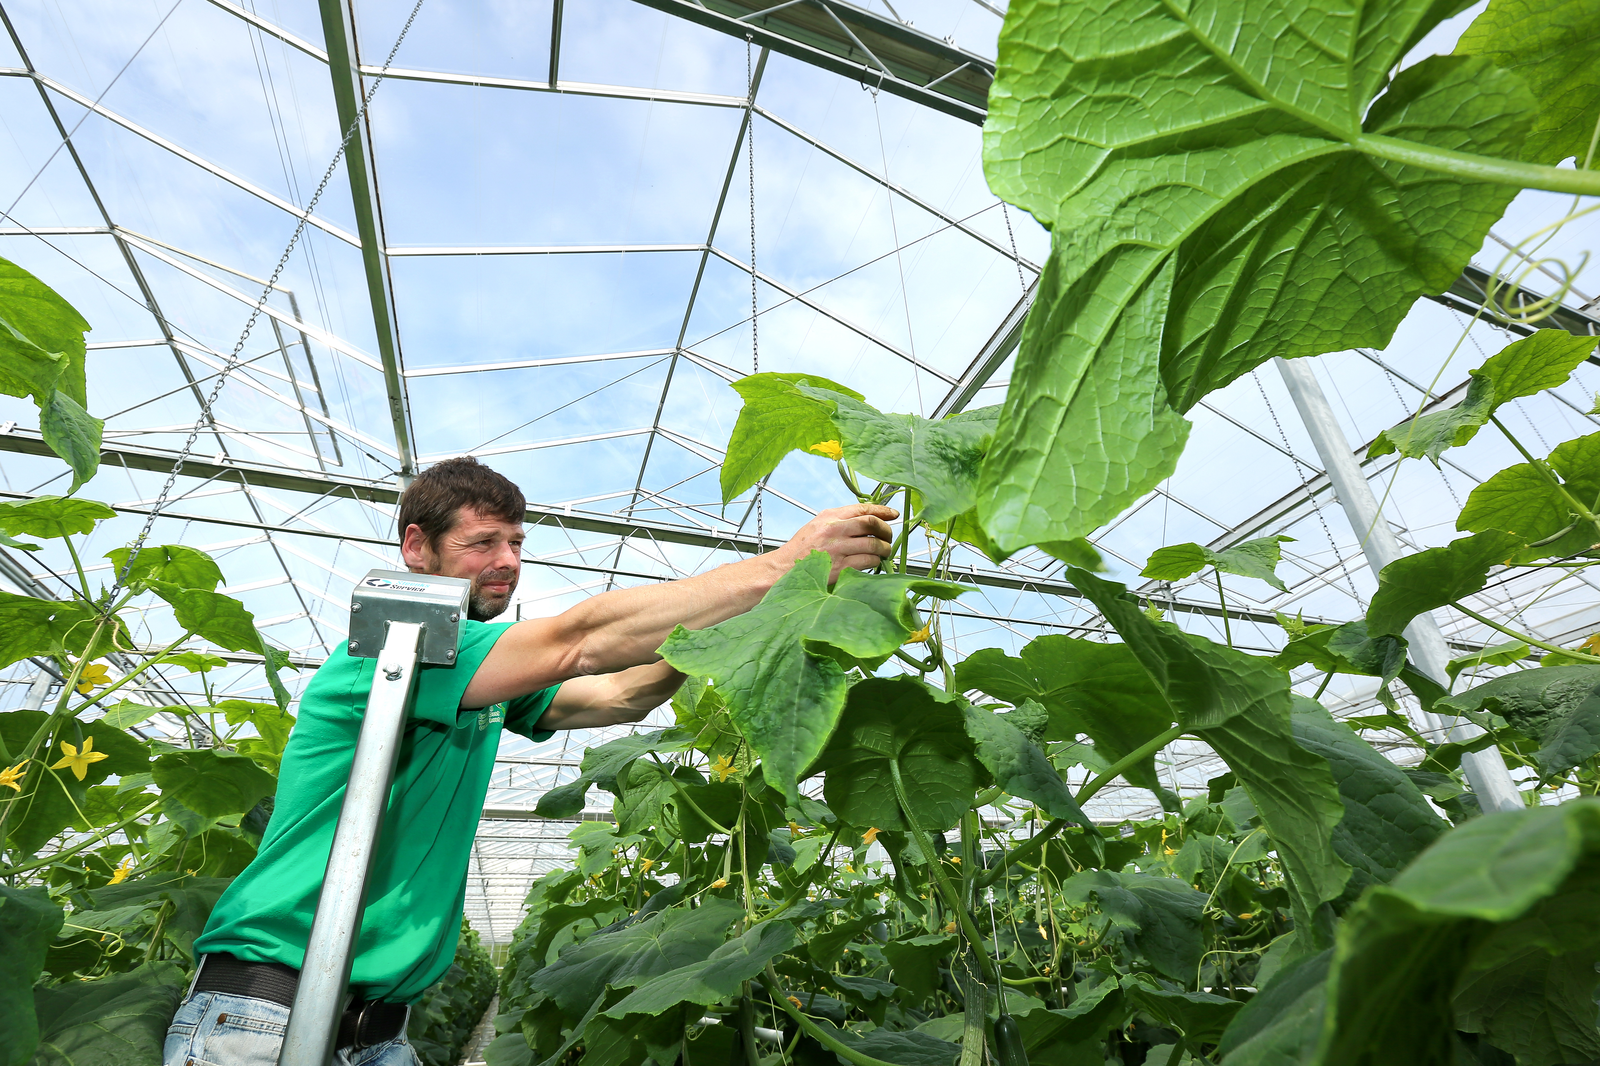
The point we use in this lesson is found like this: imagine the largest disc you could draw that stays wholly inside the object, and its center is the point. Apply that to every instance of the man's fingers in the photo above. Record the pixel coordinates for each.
(864, 526)
(876, 509)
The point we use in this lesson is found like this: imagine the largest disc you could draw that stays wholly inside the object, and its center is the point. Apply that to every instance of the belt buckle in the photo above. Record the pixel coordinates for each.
(361, 1021)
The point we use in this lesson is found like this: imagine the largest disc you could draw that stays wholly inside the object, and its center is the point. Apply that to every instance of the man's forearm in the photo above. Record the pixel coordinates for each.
(624, 628)
(610, 699)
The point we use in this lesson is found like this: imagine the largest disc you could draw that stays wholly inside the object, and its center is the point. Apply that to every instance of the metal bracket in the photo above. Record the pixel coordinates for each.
(436, 603)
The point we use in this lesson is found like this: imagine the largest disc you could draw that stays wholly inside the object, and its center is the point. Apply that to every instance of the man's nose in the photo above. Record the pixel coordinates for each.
(508, 558)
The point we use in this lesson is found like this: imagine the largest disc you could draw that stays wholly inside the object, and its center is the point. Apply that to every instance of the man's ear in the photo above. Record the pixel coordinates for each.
(413, 549)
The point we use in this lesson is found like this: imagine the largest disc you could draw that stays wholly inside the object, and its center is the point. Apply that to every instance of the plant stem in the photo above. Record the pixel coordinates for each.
(1324, 686)
(83, 579)
(1525, 638)
(11, 871)
(1543, 470)
(952, 897)
(123, 680)
(747, 1025)
(770, 981)
(1149, 747)
(811, 875)
(1477, 167)
(1021, 853)
(1227, 631)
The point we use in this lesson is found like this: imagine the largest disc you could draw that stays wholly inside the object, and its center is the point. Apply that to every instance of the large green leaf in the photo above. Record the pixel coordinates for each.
(1558, 706)
(1554, 46)
(1088, 687)
(1280, 1025)
(907, 721)
(716, 977)
(937, 457)
(224, 621)
(1085, 429)
(1521, 499)
(781, 665)
(1203, 683)
(187, 568)
(211, 782)
(30, 626)
(631, 955)
(601, 765)
(1219, 140)
(1524, 367)
(1160, 917)
(28, 922)
(1387, 820)
(1345, 649)
(49, 800)
(114, 1021)
(191, 900)
(776, 419)
(1433, 578)
(1407, 945)
(1257, 558)
(36, 324)
(1199, 1017)
(73, 434)
(1019, 766)
(52, 516)
(915, 960)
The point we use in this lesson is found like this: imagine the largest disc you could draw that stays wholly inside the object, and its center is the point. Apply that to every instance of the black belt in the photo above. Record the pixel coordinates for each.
(363, 1023)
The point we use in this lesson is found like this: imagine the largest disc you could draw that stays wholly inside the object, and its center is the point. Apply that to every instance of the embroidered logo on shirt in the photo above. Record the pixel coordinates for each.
(495, 713)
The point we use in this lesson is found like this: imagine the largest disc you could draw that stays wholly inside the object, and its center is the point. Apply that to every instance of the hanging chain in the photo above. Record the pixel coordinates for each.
(234, 357)
(755, 333)
(1015, 258)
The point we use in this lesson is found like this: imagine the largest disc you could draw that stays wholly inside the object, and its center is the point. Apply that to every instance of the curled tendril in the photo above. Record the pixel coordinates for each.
(1502, 298)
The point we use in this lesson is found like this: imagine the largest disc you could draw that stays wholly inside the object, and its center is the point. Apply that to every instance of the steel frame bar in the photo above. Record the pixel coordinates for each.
(830, 33)
(344, 66)
(535, 364)
(989, 359)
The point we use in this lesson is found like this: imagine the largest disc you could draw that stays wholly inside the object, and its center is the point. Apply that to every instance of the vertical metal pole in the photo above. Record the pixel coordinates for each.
(1485, 770)
(319, 997)
(38, 689)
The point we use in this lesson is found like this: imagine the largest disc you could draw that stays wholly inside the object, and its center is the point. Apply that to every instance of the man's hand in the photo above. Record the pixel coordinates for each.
(856, 536)
(623, 628)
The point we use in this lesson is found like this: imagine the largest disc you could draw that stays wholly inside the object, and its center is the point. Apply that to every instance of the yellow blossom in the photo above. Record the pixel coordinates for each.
(1247, 917)
(829, 449)
(950, 928)
(1169, 851)
(120, 874)
(1591, 644)
(721, 882)
(869, 836)
(956, 859)
(920, 636)
(849, 869)
(12, 774)
(94, 675)
(1044, 933)
(795, 831)
(722, 766)
(796, 1001)
(645, 864)
(76, 760)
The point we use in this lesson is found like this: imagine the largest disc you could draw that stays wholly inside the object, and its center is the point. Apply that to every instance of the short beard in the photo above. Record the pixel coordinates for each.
(482, 609)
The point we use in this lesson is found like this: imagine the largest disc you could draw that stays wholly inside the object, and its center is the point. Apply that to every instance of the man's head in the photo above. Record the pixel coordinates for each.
(461, 519)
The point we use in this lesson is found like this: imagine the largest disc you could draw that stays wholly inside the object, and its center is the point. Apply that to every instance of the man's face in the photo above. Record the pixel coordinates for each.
(487, 551)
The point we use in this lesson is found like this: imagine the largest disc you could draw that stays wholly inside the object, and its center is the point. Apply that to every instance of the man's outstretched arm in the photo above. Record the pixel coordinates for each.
(618, 630)
(611, 699)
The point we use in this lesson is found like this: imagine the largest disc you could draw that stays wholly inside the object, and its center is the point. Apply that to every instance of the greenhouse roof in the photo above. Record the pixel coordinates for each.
(547, 262)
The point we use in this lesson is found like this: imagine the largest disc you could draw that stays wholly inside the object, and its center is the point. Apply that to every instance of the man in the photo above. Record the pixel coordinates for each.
(593, 665)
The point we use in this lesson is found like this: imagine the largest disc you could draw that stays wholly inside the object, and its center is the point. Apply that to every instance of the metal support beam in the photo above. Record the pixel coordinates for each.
(876, 51)
(1485, 770)
(999, 347)
(344, 64)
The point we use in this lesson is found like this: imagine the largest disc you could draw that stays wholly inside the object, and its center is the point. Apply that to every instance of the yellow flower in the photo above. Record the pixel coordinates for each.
(950, 928)
(94, 675)
(722, 766)
(956, 859)
(1247, 917)
(795, 831)
(76, 760)
(828, 448)
(920, 636)
(721, 882)
(1169, 851)
(796, 1001)
(120, 874)
(1044, 933)
(869, 836)
(849, 869)
(12, 774)
(645, 864)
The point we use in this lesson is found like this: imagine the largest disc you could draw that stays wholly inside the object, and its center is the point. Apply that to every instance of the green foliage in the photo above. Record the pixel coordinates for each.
(212, 783)
(1540, 501)
(110, 1022)
(442, 1021)
(776, 419)
(1210, 181)
(172, 564)
(28, 922)
(1433, 578)
(1554, 48)
(42, 355)
(781, 667)
(1523, 368)
(1254, 558)
(1558, 708)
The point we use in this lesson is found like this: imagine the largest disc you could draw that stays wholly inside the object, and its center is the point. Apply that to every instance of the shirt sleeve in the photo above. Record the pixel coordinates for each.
(524, 712)
(440, 688)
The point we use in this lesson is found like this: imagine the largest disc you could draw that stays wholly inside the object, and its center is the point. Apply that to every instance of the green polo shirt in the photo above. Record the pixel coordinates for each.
(419, 878)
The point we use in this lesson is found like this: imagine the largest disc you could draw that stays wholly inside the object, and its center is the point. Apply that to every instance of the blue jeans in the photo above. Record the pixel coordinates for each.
(213, 1029)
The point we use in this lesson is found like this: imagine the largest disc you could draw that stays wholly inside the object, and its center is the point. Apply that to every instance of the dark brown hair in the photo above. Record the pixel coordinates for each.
(434, 500)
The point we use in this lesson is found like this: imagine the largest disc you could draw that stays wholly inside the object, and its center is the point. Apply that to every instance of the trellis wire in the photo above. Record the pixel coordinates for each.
(234, 359)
